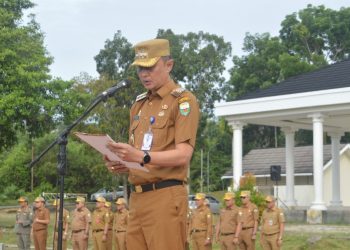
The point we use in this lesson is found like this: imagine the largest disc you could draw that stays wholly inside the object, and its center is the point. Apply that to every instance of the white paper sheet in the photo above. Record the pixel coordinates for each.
(99, 142)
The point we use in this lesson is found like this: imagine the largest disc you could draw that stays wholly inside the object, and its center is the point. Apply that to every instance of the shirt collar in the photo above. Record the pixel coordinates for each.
(165, 89)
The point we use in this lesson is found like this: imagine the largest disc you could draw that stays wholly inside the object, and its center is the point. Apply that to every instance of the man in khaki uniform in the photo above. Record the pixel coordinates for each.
(249, 225)
(81, 219)
(23, 227)
(162, 135)
(272, 226)
(109, 241)
(227, 230)
(120, 224)
(65, 219)
(100, 220)
(40, 223)
(201, 224)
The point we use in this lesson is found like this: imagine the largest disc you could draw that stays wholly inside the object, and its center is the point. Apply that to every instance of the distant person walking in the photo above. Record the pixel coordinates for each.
(121, 217)
(229, 224)
(81, 219)
(109, 241)
(272, 226)
(23, 227)
(250, 219)
(201, 223)
(40, 223)
(99, 225)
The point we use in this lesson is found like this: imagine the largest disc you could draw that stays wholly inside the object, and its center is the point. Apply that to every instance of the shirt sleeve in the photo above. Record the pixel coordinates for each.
(187, 118)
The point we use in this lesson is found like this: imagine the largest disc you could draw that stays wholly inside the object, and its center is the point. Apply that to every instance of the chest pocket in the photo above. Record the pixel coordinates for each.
(161, 130)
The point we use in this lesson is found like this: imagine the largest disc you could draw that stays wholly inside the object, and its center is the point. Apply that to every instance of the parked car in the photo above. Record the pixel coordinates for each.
(108, 193)
(213, 203)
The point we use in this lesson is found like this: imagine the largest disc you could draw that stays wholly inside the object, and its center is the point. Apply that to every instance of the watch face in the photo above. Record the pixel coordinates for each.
(146, 158)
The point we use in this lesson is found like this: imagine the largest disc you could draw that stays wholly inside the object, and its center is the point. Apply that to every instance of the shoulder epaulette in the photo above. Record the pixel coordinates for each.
(142, 96)
(177, 92)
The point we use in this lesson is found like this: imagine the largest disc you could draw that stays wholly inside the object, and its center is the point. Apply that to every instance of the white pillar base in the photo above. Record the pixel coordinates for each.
(318, 206)
(336, 203)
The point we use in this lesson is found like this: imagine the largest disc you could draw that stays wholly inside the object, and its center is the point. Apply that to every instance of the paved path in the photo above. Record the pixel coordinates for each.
(318, 228)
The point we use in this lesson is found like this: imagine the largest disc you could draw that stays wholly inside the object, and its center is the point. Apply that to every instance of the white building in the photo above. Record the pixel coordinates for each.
(317, 101)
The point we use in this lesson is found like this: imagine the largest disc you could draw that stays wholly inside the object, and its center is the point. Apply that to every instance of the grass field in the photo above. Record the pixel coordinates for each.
(296, 238)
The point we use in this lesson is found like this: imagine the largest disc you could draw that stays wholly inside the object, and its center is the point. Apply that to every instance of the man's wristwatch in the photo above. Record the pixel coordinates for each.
(146, 158)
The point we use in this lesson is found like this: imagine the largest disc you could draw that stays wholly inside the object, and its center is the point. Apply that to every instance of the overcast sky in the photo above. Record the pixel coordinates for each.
(76, 30)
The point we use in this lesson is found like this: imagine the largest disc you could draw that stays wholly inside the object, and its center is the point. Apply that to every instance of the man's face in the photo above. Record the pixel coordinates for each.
(120, 206)
(229, 203)
(152, 78)
(79, 205)
(100, 204)
(270, 204)
(22, 204)
(39, 204)
(244, 199)
(199, 202)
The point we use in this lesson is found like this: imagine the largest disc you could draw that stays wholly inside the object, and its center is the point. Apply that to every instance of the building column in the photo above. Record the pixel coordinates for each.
(317, 120)
(289, 135)
(237, 152)
(335, 138)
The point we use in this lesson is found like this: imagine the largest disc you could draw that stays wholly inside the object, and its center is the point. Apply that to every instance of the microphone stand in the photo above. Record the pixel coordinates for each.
(62, 141)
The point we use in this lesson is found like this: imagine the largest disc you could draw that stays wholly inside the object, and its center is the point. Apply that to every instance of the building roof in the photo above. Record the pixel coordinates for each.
(333, 76)
(258, 161)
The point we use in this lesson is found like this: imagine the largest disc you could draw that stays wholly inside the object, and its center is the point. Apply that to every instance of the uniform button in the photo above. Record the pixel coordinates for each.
(150, 103)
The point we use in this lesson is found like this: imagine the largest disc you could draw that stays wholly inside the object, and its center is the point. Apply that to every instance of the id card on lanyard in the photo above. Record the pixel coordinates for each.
(148, 136)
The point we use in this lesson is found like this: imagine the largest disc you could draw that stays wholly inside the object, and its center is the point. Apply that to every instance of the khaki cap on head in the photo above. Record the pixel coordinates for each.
(80, 199)
(108, 204)
(100, 199)
(269, 198)
(199, 196)
(148, 53)
(39, 199)
(22, 199)
(229, 196)
(120, 201)
(245, 193)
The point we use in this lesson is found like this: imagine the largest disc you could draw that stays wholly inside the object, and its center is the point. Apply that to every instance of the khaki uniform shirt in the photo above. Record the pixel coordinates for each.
(121, 220)
(201, 219)
(111, 220)
(271, 219)
(80, 219)
(65, 218)
(176, 114)
(229, 219)
(100, 217)
(25, 216)
(41, 214)
(250, 215)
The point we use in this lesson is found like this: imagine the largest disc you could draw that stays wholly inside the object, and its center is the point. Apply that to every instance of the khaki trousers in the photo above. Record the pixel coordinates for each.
(39, 238)
(269, 242)
(198, 240)
(226, 242)
(120, 240)
(23, 241)
(97, 240)
(109, 242)
(245, 239)
(157, 219)
(78, 241)
(64, 242)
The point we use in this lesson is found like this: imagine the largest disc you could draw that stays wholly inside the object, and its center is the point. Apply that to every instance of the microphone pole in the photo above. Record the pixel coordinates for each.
(62, 141)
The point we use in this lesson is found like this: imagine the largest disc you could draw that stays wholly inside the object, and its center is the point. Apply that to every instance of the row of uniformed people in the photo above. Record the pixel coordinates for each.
(236, 227)
(103, 223)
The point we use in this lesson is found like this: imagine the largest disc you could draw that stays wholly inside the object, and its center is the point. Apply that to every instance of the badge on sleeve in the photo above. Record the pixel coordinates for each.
(184, 108)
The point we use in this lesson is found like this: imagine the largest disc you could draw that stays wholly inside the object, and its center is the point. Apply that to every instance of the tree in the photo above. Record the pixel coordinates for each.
(24, 89)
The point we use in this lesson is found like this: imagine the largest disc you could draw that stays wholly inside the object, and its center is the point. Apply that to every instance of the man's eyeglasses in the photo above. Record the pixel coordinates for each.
(243, 197)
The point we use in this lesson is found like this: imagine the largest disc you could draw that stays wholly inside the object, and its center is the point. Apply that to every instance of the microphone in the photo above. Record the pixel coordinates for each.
(112, 90)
